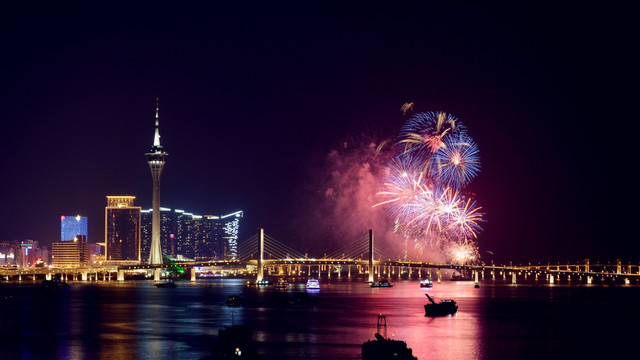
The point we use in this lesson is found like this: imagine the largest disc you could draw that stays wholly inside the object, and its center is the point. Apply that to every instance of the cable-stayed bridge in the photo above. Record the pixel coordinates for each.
(262, 255)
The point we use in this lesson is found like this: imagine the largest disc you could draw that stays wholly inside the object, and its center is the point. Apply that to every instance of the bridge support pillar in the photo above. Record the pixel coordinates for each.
(48, 276)
(513, 277)
(619, 267)
(476, 273)
(20, 277)
(551, 279)
(193, 273)
(439, 275)
(156, 274)
(120, 275)
(589, 279)
(85, 276)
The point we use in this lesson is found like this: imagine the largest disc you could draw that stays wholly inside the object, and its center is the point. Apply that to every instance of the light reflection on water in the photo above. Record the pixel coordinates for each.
(136, 320)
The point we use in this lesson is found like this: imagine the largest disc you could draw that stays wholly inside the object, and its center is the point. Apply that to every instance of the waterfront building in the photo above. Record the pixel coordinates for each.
(122, 229)
(93, 254)
(199, 237)
(27, 252)
(167, 230)
(7, 253)
(156, 159)
(69, 253)
(230, 227)
(72, 226)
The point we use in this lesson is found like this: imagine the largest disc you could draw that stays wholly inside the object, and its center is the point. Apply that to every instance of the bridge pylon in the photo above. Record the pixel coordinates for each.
(370, 255)
(260, 254)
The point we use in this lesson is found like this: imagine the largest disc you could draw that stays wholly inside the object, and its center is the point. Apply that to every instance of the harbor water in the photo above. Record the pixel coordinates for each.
(137, 320)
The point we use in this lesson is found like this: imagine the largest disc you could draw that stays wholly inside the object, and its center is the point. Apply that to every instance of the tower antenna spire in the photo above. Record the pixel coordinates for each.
(156, 137)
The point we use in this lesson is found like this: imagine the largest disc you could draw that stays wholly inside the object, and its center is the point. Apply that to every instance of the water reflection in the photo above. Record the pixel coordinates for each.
(137, 320)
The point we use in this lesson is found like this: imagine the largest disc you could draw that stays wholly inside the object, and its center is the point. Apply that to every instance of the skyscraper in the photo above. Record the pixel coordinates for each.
(167, 230)
(73, 226)
(122, 229)
(156, 159)
(198, 237)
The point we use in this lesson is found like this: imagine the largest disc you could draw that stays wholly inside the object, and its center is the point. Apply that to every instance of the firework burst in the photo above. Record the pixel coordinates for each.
(426, 132)
(458, 161)
(436, 159)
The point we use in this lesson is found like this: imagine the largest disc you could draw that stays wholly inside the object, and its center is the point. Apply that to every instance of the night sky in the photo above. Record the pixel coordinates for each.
(253, 99)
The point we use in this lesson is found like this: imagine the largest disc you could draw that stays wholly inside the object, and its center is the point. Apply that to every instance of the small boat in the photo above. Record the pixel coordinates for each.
(264, 282)
(282, 284)
(313, 284)
(166, 284)
(55, 283)
(426, 283)
(460, 277)
(234, 300)
(382, 283)
(444, 307)
(235, 342)
(382, 348)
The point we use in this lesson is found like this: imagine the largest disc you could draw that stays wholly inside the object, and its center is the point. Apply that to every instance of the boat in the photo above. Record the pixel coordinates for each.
(313, 284)
(166, 284)
(444, 307)
(382, 348)
(55, 283)
(234, 300)
(282, 284)
(426, 283)
(460, 277)
(264, 282)
(382, 283)
(234, 342)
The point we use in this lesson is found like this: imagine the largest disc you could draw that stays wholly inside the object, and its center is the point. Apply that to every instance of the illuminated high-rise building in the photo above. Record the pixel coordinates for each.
(167, 230)
(69, 253)
(122, 229)
(156, 159)
(199, 237)
(230, 234)
(73, 226)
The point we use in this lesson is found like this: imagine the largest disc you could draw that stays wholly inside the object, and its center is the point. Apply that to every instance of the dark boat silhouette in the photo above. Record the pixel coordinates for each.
(460, 277)
(444, 307)
(55, 283)
(234, 300)
(282, 284)
(166, 284)
(234, 342)
(384, 349)
(382, 283)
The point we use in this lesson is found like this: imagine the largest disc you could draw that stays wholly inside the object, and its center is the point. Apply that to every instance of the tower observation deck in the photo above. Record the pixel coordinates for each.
(156, 158)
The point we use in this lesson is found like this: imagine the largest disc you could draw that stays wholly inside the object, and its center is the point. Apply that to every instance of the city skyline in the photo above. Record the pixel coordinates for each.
(259, 107)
